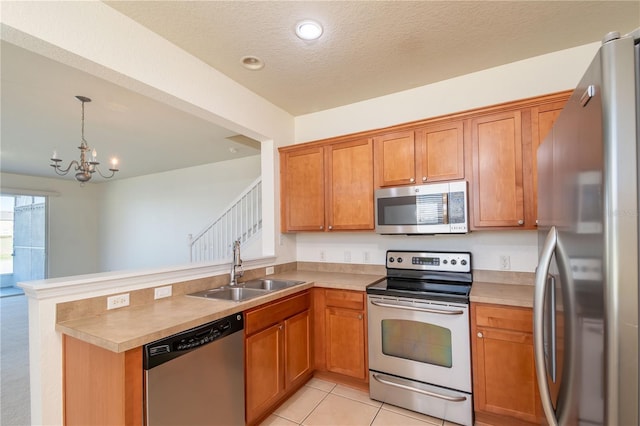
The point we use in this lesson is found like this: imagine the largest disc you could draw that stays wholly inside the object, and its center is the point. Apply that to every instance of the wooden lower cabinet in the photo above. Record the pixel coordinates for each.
(340, 335)
(278, 353)
(505, 390)
(101, 387)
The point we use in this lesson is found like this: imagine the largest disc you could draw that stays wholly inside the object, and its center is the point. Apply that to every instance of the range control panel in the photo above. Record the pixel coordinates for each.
(429, 261)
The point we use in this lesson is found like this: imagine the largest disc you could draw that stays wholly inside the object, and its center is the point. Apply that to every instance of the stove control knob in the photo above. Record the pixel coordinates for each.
(444, 262)
(391, 260)
(399, 260)
(463, 262)
(453, 261)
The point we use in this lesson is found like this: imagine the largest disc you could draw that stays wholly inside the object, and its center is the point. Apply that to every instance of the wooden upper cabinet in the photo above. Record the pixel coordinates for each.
(328, 188)
(349, 178)
(395, 156)
(498, 197)
(302, 189)
(542, 119)
(440, 152)
(432, 153)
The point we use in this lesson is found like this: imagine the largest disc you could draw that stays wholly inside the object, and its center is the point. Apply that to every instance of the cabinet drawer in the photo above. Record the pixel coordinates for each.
(345, 299)
(263, 316)
(504, 317)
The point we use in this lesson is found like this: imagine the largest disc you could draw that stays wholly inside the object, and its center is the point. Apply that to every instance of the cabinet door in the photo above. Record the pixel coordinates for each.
(302, 183)
(505, 379)
(542, 119)
(440, 152)
(264, 370)
(350, 185)
(297, 344)
(395, 156)
(498, 199)
(345, 342)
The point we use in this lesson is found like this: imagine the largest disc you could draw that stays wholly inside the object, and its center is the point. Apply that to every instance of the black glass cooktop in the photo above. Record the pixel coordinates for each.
(416, 289)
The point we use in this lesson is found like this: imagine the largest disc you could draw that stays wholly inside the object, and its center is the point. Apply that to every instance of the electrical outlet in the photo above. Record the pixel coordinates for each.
(160, 292)
(366, 257)
(505, 262)
(269, 270)
(347, 256)
(323, 257)
(118, 301)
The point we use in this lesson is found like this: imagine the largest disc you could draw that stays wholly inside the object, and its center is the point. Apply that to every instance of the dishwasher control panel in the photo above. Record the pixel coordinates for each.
(168, 348)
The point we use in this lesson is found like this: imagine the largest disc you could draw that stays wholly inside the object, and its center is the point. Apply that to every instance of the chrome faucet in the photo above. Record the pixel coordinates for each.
(236, 264)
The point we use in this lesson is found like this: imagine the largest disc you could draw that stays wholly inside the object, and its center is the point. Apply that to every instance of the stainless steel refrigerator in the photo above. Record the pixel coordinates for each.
(586, 294)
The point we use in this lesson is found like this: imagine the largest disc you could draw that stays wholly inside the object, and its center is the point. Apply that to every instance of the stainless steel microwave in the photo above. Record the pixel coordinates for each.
(438, 208)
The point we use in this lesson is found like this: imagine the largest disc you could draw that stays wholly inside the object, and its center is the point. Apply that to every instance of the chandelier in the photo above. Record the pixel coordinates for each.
(88, 163)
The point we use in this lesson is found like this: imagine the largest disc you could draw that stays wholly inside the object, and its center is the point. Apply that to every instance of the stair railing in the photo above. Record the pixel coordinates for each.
(242, 220)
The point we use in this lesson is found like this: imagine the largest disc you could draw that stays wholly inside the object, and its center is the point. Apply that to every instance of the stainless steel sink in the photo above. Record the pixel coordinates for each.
(235, 294)
(271, 285)
(247, 290)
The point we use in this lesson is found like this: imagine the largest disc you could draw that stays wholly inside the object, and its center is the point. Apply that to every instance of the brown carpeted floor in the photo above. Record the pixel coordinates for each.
(14, 362)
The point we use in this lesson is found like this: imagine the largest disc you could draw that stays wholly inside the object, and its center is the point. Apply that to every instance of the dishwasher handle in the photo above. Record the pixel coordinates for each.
(160, 351)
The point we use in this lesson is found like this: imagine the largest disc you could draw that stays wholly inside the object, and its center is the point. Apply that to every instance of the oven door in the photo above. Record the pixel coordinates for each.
(421, 340)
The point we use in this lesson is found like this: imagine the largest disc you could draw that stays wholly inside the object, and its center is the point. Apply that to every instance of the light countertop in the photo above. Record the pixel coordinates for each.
(127, 328)
(502, 294)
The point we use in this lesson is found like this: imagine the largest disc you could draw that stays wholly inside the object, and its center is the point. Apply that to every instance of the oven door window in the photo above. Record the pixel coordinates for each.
(417, 341)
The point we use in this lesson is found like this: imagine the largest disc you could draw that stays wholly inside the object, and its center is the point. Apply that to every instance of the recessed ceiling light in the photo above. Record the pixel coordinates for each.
(308, 30)
(252, 63)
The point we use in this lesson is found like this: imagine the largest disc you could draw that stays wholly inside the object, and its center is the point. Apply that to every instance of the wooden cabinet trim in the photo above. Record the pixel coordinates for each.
(504, 378)
(264, 370)
(345, 299)
(496, 169)
(100, 386)
(443, 161)
(507, 318)
(349, 193)
(302, 175)
(263, 316)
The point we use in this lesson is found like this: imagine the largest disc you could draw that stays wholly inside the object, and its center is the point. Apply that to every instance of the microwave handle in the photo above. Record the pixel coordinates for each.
(445, 208)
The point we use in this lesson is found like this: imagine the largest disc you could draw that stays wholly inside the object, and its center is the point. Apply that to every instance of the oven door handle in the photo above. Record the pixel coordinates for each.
(424, 392)
(413, 308)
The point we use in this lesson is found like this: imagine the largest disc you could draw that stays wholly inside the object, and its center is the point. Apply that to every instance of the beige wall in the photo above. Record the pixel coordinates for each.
(549, 73)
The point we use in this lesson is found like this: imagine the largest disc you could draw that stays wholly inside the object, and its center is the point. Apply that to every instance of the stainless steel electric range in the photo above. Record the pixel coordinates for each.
(419, 344)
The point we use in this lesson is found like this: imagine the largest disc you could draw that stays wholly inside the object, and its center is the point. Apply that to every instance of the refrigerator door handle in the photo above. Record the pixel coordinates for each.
(551, 353)
(538, 319)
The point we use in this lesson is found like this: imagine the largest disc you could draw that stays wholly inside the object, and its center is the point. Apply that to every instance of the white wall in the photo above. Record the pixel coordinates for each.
(145, 221)
(485, 247)
(115, 48)
(531, 77)
(72, 222)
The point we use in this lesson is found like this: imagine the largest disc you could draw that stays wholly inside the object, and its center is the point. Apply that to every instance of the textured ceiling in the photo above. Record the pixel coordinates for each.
(372, 48)
(369, 48)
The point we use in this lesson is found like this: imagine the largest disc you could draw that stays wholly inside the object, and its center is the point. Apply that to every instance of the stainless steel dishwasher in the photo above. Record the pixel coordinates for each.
(196, 377)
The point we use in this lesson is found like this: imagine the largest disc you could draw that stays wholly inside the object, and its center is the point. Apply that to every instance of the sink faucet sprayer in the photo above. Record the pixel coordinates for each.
(236, 264)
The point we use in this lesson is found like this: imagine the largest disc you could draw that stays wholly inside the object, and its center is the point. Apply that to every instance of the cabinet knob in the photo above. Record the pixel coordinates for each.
(359, 316)
(521, 222)
(330, 227)
(536, 222)
(412, 180)
(321, 227)
(280, 328)
(480, 334)
(424, 178)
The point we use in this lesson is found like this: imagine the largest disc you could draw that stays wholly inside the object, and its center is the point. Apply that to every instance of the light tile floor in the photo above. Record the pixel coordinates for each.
(323, 403)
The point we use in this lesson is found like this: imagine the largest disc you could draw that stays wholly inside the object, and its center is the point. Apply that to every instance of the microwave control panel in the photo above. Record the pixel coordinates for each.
(429, 261)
